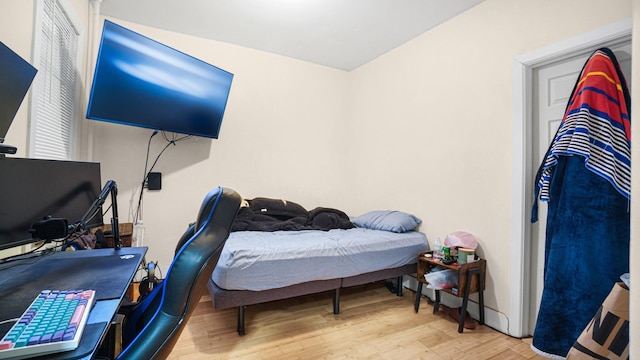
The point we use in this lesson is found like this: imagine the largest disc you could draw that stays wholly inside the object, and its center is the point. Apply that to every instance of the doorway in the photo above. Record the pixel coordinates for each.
(552, 86)
(526, 276)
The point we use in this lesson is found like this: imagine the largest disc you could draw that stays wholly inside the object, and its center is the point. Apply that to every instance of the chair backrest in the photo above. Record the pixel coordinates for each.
(151, 330)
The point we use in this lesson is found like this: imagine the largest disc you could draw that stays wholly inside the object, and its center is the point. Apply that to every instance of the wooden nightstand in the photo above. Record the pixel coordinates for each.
(471, 279)
(126, 231)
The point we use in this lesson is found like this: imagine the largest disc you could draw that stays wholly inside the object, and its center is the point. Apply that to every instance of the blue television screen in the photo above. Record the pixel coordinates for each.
(141, 82)
(16, 76)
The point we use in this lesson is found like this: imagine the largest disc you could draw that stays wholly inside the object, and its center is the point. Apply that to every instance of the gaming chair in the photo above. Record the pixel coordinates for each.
(152, 327)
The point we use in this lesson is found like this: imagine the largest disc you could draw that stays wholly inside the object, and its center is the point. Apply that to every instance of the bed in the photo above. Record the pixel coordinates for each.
(275, 254)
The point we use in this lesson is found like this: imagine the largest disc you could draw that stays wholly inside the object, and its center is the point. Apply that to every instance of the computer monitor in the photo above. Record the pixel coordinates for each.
(32, 189)
(16, 76)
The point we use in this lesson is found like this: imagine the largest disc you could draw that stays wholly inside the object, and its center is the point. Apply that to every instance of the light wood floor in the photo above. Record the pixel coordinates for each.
(373, 324)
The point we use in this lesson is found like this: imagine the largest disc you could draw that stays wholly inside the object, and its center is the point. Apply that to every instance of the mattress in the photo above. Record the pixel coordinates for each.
(253, 260)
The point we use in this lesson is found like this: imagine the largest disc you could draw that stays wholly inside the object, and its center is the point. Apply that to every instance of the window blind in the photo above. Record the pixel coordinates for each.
(53, 117)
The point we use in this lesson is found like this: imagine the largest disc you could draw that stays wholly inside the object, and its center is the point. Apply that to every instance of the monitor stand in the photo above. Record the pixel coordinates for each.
(7, 149)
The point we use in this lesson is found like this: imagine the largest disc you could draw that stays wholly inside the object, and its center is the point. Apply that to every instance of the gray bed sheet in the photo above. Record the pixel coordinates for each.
(257, 261)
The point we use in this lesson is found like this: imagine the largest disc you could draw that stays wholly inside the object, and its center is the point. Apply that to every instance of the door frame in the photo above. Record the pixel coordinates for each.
(522, 174)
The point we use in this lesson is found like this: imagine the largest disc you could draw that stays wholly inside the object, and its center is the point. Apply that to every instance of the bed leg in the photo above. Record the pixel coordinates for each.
(399, 286)
(336, 301)
(240, 320)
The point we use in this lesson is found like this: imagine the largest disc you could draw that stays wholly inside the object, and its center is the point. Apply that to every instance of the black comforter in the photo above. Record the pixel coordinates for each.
(265, 214)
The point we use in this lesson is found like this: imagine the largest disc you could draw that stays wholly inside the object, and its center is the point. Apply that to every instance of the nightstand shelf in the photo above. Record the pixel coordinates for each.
(471, 279)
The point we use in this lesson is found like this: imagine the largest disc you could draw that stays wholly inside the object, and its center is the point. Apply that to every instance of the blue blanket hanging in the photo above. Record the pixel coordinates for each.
(586, 180)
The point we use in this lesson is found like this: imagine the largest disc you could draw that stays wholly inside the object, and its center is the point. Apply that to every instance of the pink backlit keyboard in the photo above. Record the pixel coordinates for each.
(53, 323)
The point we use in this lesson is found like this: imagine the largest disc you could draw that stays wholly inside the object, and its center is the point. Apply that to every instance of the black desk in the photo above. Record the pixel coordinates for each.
(109, 272)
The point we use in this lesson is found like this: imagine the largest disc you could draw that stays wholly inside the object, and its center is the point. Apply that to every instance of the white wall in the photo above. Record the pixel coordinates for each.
(282, 136)
(425, 128)
(433, 122)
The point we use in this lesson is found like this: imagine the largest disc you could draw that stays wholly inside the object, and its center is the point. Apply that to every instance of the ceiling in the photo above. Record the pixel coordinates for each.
(342, 34)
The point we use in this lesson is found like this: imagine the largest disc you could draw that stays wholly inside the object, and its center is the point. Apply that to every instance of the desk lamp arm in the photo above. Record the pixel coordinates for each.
(115, 226)
(110, 188)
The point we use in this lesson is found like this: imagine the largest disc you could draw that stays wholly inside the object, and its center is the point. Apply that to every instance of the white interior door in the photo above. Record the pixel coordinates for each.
(552, 86)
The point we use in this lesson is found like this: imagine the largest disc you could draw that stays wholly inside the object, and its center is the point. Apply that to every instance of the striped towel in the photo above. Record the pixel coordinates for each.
(596, 125)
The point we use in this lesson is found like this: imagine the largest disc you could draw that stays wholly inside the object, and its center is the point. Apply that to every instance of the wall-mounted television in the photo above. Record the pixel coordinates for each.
(16, 76)
(141, 82)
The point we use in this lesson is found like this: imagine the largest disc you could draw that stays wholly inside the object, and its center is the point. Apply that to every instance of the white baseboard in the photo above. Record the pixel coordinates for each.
(492, 318)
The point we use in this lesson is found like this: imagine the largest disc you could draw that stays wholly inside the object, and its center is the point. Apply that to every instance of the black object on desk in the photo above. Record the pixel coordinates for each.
(107, 271)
